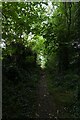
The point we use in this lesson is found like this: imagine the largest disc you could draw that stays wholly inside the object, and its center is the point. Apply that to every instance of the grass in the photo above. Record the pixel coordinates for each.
(63, 92)
(61, 97)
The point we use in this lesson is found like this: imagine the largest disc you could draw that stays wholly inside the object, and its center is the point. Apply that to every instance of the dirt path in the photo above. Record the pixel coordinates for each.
(46, 107)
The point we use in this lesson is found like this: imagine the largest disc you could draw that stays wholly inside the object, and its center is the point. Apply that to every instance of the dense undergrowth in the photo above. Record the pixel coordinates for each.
(19, 99)
(20, 78)
(65, 89)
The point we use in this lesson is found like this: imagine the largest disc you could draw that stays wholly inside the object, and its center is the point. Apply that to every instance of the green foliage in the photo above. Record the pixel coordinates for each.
(17, 57)
(43, 33)
(19, 99)
(65, 90)
(52, 63)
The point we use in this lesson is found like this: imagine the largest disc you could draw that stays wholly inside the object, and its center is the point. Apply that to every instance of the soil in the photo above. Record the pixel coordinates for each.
(45, 105)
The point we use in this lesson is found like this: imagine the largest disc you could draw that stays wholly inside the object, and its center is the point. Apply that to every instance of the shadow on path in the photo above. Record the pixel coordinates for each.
(45, 105)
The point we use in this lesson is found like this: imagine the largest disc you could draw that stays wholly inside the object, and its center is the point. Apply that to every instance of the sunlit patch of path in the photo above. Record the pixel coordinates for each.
(45, 106)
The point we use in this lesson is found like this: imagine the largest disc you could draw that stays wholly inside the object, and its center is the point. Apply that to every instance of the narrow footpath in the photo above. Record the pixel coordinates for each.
(45, 106)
